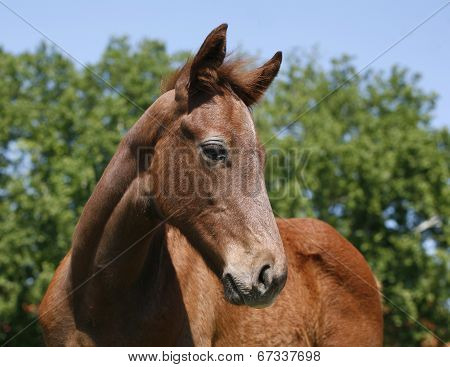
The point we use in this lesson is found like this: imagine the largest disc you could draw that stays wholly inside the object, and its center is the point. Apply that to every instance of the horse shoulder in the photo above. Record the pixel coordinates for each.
(349, 294)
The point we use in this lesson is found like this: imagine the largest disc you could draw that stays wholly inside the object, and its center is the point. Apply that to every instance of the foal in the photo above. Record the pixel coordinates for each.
(178, 245)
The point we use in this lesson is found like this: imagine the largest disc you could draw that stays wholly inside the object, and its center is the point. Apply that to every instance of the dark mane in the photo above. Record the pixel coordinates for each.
(233, 75)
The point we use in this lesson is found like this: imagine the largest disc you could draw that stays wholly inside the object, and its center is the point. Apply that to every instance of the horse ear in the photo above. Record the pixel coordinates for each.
(255, 82)
(211, 53)
(203, 67)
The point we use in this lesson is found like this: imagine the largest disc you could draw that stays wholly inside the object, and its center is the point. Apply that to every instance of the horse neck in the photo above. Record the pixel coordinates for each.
(114, 225)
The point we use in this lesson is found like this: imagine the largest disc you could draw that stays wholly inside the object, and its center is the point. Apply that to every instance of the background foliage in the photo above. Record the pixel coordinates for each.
(366, 160)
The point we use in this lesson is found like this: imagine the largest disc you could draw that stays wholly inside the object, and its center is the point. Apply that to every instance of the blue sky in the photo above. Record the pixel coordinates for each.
(359, 28)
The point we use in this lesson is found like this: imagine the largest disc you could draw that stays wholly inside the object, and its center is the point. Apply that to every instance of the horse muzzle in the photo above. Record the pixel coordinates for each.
(259, 291)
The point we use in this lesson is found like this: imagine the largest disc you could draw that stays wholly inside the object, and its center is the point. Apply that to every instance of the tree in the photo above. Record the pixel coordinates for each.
(375, 169)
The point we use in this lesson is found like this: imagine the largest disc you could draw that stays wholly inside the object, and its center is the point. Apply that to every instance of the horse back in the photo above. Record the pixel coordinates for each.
(344, 298)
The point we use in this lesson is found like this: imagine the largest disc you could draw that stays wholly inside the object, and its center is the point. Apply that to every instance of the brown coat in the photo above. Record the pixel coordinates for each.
(178, 244)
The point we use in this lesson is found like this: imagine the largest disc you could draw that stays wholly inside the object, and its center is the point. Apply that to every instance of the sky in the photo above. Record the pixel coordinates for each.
(362, 29)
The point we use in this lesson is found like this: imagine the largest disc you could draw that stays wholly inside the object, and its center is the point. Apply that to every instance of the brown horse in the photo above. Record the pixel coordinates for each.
(178, 244)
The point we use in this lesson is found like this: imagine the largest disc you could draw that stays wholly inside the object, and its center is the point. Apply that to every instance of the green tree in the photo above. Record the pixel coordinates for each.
(372, 167)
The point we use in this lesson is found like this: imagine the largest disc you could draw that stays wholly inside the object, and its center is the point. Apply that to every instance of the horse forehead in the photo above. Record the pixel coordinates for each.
(229, 115)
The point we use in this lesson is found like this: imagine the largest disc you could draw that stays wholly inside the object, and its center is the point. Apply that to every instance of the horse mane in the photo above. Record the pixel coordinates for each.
(233, 75)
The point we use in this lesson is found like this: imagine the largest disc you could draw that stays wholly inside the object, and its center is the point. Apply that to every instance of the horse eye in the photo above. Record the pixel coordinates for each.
(215, 152)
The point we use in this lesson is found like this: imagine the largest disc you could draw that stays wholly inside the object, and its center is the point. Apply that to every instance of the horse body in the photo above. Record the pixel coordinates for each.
(164, 254)
(330, 299)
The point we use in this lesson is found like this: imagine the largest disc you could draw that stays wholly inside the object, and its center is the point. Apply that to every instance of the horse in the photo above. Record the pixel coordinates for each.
(178, 244)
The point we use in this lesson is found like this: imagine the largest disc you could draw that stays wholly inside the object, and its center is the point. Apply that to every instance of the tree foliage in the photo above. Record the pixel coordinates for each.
(365, 159)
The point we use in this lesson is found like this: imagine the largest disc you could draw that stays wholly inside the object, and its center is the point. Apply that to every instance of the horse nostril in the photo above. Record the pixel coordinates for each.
(265, 277)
